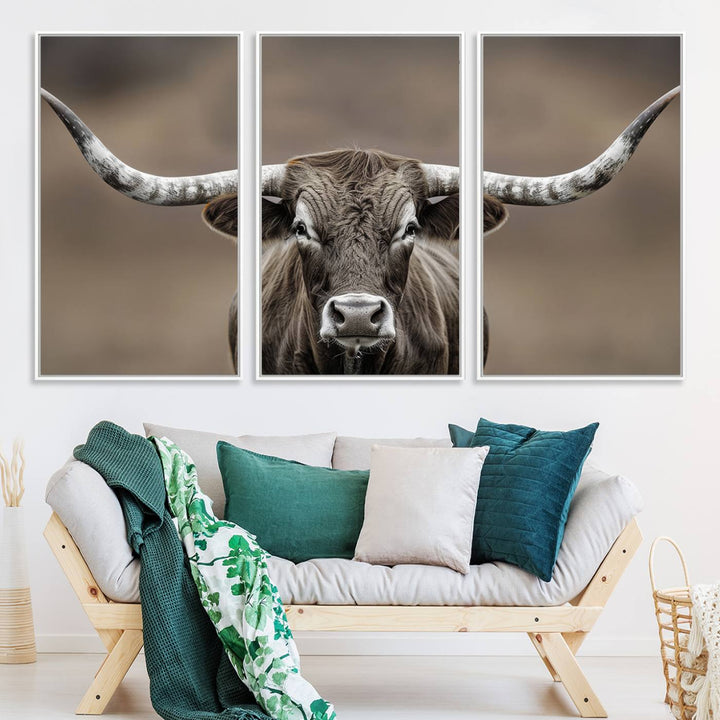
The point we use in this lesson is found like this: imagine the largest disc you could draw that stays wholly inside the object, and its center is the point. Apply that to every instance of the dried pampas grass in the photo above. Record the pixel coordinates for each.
(12, 474)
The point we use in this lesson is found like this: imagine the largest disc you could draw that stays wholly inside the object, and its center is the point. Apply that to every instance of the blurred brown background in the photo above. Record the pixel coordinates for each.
(128, 288)
(593, 287)
(399, 94)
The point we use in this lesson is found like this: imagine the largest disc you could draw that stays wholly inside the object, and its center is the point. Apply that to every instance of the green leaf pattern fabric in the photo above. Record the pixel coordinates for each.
(231, 574)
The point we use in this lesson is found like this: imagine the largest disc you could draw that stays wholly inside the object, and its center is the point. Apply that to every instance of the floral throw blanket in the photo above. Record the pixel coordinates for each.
(705, 633)
(231, 575)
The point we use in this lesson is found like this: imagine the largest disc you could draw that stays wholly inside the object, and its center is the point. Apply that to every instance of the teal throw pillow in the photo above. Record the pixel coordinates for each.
(526, 486)
(460, 437)
(296, 511)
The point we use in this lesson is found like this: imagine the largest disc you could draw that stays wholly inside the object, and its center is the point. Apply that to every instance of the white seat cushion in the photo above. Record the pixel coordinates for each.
(601, 508)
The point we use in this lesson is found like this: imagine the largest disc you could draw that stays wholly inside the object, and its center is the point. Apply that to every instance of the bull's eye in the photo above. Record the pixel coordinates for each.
(411, 230)
(301, 230)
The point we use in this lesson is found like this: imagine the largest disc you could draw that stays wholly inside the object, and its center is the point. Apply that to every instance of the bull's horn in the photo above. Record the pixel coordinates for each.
(442, 179)
(272, 180)
(152, 189)
(557, 189)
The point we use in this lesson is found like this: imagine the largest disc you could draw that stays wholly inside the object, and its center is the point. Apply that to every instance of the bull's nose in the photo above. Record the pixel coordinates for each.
(365, 318)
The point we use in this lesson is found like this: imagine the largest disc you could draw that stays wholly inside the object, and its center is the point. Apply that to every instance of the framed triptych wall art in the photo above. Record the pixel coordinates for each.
(131, 283)
(358, 201)
(581, 264)
(359, 148)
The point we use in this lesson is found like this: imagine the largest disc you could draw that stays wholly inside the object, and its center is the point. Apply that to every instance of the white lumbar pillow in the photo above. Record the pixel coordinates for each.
(420, 506)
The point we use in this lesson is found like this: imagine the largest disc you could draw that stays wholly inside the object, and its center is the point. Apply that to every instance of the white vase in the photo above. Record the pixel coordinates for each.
(17, 633)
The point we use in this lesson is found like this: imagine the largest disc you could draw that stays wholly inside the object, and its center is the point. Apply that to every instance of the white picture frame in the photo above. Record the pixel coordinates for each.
(259, 376)
(480, 373)
(38, 374)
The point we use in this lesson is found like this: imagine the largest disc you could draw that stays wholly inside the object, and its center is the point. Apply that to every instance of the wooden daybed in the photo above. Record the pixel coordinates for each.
(556, 632)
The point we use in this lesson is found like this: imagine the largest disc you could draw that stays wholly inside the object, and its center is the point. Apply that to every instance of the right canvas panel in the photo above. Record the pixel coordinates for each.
(582, 219)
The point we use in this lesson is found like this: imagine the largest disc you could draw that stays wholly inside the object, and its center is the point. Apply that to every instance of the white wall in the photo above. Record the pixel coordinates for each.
(662, 435)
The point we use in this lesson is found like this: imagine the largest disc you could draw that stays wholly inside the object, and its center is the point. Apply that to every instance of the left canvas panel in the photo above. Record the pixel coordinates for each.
(137, 166)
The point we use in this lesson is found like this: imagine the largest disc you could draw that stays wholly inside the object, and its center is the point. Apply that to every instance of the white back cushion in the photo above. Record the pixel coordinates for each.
(353, 453)
(200, 446)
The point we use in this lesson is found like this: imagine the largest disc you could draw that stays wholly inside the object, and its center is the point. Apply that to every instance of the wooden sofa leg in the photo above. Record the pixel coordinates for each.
(575, 640)
(571, 676)
(122, 644)
(536, 640)
(605, 580)
(111, 673)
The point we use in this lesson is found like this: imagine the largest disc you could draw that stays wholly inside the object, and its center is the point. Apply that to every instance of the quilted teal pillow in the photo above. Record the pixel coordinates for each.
(527, 482)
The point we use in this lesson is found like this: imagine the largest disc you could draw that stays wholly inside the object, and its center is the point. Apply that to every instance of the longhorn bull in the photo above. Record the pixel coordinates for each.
(360, 264)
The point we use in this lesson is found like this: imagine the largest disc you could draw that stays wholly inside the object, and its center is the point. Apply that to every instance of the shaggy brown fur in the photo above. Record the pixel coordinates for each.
(494, 215)
(356, 199)
(355, 196)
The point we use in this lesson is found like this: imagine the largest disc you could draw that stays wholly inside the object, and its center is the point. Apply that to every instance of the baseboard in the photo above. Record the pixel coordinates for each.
(481, 644)
(69, 644)
(468, 644)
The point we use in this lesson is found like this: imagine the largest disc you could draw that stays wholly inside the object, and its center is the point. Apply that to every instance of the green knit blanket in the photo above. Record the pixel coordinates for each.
(191, 677)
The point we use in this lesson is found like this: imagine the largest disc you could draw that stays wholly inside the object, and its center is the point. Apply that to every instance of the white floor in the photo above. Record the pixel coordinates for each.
(370, 688)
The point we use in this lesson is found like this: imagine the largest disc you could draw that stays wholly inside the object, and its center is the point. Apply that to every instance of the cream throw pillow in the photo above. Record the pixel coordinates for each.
(420, 506)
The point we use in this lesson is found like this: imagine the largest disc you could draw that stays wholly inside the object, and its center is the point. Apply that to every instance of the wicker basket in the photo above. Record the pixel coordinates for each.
(673, 610)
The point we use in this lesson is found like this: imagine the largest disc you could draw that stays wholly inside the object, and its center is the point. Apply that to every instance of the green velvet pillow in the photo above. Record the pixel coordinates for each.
(526, 485)
(296, 511)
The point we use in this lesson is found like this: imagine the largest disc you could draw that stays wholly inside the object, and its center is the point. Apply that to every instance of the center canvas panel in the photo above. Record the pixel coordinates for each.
(360, 205)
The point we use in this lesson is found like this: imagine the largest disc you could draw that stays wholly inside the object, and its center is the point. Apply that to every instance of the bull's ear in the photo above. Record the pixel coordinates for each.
(442, 219)
(221, 214)
(494, 214)
(276, 220)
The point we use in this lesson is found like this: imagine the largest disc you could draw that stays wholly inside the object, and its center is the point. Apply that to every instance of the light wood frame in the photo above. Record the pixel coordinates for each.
(556, 632)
